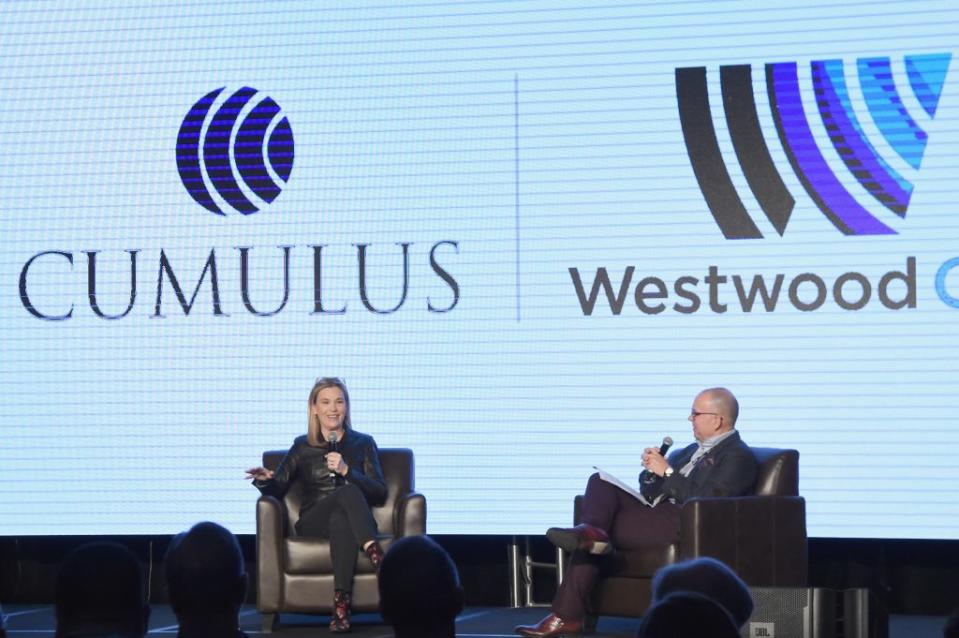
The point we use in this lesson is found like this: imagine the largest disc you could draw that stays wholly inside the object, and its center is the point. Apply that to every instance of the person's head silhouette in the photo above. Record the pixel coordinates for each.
(206, 580)
(420, 592)
(100, 592)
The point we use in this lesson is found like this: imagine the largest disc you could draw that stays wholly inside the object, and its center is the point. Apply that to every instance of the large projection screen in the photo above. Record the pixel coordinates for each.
(524, 233)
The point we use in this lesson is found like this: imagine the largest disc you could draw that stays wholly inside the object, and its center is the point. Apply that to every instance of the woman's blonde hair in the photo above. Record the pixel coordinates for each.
(313, 424)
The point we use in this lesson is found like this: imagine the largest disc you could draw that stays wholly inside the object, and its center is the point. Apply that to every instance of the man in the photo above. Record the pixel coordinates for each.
(207, 582)
(718, 464)
(709, 577)
(420, 592)
(688, 615)
(99, 593)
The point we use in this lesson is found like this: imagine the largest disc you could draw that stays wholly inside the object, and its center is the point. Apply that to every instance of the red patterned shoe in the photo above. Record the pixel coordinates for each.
(375, 552)
(340, 618)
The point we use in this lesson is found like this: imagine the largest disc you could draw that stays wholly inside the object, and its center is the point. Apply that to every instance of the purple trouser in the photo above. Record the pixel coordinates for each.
(630, 525)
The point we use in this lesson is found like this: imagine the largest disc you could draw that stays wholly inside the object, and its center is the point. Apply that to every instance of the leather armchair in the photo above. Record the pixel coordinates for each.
(295, 574)
(762, 537)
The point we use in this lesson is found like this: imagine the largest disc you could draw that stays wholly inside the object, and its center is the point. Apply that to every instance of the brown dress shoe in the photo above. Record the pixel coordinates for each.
(587, 538)
(549, 627)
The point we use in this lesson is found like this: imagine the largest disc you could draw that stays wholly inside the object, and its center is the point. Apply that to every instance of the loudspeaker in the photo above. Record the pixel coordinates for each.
(792, 612)
(815, 612)
(863, 615)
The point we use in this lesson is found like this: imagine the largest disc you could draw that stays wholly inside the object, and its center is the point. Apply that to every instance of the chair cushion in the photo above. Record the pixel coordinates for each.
(640, 563)
(312, 556)
(307, 555)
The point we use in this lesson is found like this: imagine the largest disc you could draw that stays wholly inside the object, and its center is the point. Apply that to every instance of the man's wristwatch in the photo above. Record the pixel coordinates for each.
(668, 472)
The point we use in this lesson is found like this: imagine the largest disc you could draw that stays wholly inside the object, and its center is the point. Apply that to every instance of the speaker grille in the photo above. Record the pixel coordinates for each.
(779, 612)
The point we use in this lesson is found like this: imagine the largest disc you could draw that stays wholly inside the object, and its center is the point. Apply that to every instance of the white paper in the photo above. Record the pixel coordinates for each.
(609, 478)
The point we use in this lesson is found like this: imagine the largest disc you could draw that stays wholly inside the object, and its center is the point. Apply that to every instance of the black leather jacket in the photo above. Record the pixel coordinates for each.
(306, 464)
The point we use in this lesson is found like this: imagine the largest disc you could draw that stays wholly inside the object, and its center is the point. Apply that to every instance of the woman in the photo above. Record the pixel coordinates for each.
(339, 469)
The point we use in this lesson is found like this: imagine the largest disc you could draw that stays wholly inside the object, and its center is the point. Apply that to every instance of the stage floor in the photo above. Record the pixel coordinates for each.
(37, 621)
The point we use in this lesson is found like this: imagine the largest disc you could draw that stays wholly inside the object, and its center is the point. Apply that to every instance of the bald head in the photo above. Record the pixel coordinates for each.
(722, 402)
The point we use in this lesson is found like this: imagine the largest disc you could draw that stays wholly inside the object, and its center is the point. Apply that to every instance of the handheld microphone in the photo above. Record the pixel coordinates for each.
(648, 477)
(667, 443)
(333, 448)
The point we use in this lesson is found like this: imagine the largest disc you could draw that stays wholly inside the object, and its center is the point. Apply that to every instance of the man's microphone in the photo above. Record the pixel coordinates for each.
(667, 443)
(334, 448)
(649, 477)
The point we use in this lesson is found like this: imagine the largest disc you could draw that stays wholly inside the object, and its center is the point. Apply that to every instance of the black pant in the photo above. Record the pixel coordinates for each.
(345, 518)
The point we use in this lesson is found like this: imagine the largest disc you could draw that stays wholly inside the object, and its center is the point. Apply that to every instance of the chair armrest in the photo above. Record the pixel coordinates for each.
(578, 509)
(269, 541)
(410, 515)
(763, 538)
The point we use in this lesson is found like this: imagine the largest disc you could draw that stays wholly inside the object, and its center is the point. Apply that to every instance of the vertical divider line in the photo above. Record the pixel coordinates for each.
(516, 184)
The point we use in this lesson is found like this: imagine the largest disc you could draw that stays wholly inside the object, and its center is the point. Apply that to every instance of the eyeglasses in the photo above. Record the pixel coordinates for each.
(693, 413)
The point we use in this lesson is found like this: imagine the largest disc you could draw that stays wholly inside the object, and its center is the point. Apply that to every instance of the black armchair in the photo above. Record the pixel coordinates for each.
(762, 537)
(296, 574)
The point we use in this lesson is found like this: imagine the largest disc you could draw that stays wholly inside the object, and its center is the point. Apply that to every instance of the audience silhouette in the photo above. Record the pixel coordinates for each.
(207, 582)
(100, 592)
(951, 628)
(687, 615)
(420, 592)
(709, 577)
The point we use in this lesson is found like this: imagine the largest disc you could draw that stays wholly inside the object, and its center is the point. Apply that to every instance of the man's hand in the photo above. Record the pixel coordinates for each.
(654, 461)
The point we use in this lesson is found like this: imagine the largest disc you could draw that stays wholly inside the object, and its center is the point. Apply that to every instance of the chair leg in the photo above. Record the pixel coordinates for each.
(589, 623)
(269, 622)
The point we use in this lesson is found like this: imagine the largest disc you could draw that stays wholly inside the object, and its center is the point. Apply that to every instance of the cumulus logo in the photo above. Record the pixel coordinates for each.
(257, 147)
(887, 186)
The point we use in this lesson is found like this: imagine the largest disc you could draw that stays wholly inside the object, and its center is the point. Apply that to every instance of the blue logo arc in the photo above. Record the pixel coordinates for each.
(253, 145)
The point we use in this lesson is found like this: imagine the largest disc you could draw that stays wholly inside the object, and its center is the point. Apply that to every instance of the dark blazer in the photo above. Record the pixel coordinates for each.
(729, 469)
(306, 465)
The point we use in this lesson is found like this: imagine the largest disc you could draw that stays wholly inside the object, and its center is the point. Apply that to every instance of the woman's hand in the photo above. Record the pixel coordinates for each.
(335, 463)
(259, 474)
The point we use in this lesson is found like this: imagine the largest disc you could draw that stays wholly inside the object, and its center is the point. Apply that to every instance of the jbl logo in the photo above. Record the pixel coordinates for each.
(762, 630)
